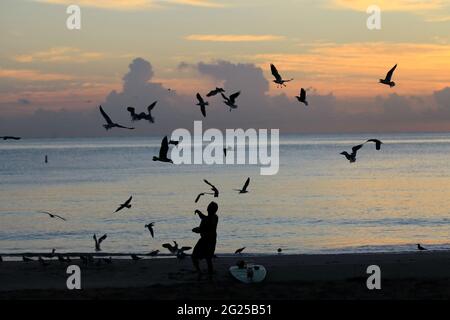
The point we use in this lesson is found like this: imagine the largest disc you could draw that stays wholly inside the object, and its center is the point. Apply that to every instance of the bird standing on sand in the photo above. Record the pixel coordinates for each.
(99, 242)
(388, 80)
(150, 228)
(231, 100)
(136, 257)
(142, 116)
(10, 138)
(244, 188)
(52, 215)
(126, 204)
(377, 142)
(239, 251)
(26, 259)
(215, 92)
(42, 261)
(153, 253)
(179, 252)
(278, 79)
(420, 248)
(109, 123)
(51, 255)
(352, 157)
(163, 152)
(302, 97)
(202, 104)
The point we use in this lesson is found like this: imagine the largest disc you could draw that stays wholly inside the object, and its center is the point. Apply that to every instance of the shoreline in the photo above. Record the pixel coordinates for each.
(414, 275)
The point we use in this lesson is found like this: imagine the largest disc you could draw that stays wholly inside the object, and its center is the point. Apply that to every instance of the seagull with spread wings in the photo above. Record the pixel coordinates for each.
(10, 138)
(202, 104)
(99, 241)
(278, 79)
(150, 228)
(163, 152)
(231, 100)
(388, 80)
(109, 123)
(352, 156)
(126, 204)
(214, 92)
(244, 188)
(52, 215)
(377, 142)
(302, 97)
(142, 116)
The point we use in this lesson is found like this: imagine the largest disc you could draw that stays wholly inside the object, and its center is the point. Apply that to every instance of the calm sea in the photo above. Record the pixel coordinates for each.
(388, 200)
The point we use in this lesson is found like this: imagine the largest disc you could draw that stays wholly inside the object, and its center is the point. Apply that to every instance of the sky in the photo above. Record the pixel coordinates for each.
(130, 53)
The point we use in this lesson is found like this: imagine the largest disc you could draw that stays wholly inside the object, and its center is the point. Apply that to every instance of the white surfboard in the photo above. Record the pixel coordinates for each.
(251, 273)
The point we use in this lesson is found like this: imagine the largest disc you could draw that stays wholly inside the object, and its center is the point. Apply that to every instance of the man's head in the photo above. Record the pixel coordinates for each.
(212, 208)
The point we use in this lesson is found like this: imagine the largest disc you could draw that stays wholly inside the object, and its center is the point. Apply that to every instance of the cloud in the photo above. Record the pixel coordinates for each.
(33, 75)
(233, 37)
(327, 113)
(135, 4)
(389, 5)
(60, 54)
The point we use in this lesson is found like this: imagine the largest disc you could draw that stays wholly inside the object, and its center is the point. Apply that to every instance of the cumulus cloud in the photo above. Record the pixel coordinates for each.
(257, 109)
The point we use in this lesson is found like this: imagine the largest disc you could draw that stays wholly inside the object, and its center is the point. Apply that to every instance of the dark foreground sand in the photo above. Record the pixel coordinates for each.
(416, 275)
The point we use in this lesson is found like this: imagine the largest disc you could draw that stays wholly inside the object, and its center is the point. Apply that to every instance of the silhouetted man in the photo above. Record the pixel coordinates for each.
(206, 245)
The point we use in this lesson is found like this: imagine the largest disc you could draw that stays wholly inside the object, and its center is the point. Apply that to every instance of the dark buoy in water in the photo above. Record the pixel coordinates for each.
(46, 159)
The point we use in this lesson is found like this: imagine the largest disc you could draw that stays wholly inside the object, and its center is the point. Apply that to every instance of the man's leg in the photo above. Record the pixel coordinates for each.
(210, 265)
(195, 262)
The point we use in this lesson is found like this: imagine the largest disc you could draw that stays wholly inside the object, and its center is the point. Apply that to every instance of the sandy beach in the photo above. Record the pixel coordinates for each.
(415, 275)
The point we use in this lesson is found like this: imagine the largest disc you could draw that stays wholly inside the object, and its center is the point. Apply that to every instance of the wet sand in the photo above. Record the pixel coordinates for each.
(415, 275)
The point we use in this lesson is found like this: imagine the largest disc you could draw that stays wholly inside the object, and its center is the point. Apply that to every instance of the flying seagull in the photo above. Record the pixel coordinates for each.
(142, 116)
(420, 248)
(126, 204)
(202, 104)
(150, 228)
(239, 251)
(278, 79)
(52, 215)
(377, 142)
(215, 92)
(215, 192)
(244, 188)
(352, 157)
(99, 241)
(302, 97)
(213, 188)
(163, 152)
(109, 123)
(231, 101)
(10, 138)
(387, 80)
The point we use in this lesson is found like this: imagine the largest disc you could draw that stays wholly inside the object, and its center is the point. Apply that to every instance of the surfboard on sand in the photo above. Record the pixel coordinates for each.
(249, 273)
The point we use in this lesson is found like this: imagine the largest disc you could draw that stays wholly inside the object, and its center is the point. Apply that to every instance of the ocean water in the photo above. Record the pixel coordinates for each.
(388, 200)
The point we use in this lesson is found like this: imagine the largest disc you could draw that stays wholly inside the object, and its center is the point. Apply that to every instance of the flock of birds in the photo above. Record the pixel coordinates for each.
(229, 101)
